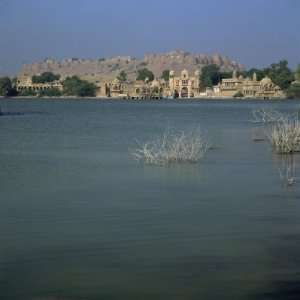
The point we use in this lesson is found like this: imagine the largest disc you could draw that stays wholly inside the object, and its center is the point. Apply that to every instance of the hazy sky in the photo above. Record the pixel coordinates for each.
(255, 32)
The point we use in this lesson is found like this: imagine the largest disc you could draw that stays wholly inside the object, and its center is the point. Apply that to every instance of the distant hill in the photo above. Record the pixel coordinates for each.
(109, 68)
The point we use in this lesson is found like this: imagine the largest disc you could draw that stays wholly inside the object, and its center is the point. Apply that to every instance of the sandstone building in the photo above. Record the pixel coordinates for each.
(183, 86)
(24, 82)
(248, 87)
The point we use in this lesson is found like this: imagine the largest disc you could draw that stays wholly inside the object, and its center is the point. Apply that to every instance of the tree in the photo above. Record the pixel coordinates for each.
(165, 75)
(297, 73)
(260, 74)
(210, 76)
(5, 86)
(53, 92)
(238, 94)
(280, 74)
(224, 75)
(144, 74)
(27, 93)
(46, 77)
(122, 76)
(293, 91)
(74, 86)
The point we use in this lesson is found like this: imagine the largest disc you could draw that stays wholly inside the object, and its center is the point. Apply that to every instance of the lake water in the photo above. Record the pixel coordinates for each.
(81, 219)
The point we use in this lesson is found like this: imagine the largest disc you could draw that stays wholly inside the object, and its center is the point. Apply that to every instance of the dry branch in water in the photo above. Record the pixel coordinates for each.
(285, 136)
(284, 132)
(267, 116)
(173, 147)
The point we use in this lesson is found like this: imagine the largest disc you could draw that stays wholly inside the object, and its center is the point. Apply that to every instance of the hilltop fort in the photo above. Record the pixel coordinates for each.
(108, 68)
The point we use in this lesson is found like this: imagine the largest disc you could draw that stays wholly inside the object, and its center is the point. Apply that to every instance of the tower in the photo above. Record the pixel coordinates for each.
(254, 77)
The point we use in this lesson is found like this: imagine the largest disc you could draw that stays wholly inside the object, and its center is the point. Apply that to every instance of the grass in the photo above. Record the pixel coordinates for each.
(173, 147)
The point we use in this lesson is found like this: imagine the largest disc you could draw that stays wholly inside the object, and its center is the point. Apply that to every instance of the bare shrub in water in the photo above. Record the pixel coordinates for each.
(284, 132)
(173, 147)
(272, 116)
(267, 116)
(285, 136)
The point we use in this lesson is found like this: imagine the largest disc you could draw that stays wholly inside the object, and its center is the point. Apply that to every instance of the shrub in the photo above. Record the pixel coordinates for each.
(5, 86)
(173, 147)
(122, 76)
(53, 92)
(238, 94)
(74, 86)
(293, 91)
(267, 116)
(165, 75)
(144, 74)
(45, 77)
(285, 136)
(27, 93)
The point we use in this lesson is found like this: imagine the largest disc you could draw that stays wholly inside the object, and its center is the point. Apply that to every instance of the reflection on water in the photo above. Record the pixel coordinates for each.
(287, 168)
(285, 283)
(80, 219)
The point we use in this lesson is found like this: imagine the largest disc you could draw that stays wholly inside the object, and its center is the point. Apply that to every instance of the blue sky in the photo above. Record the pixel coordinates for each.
(255, 33)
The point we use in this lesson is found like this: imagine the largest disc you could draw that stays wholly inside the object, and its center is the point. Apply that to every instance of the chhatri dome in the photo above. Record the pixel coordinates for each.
(266, 81)
(184, 74)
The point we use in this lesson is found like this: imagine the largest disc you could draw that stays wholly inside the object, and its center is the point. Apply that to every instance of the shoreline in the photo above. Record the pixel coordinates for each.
(139, 99)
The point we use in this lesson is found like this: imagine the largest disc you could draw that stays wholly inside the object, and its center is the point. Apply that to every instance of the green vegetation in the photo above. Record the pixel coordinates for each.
(7, 87)
(46, 77)
(144, 74)
(74, 86)
(165, 75)
(297, 73)
(239, 94)
(27, 93)
(280, 74)
(294, 91)
(211, 75)
(260, 74)
(143, 64)
(53, 92)
(122, 76)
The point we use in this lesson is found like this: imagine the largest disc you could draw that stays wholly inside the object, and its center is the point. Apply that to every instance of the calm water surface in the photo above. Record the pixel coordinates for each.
(80, 219)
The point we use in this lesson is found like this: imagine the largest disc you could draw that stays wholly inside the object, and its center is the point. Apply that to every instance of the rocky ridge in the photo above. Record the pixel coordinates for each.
(108, 69)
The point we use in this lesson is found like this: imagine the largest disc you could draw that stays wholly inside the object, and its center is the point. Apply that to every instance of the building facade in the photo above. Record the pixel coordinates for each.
(183, 86)
(248, 87)
(24, 83)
